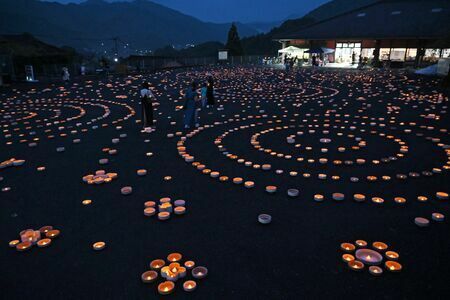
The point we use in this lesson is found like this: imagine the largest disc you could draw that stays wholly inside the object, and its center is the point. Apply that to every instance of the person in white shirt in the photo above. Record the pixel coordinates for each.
(147, 107)
(65, 74)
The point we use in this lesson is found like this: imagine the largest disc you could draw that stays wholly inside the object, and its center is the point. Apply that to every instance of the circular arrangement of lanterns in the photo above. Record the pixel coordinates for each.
(171, 270)
(42, 238)
(359, 254)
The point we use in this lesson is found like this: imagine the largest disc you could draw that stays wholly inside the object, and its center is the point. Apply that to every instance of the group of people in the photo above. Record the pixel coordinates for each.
(194, 100)
(289, 63)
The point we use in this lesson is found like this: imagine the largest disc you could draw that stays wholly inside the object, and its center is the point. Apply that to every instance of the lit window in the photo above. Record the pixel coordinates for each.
(436, 10)
(396, 12)
(339, 45)
(361, 15)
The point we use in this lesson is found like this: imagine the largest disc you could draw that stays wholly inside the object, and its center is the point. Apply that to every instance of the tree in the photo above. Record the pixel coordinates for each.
(234, 42)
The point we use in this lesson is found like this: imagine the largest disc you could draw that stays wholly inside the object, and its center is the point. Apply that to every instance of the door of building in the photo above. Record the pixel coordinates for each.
(347, 52)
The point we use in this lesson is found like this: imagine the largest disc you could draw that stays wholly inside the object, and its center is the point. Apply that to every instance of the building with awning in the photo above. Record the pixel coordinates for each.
(292, 51)
(403, 31)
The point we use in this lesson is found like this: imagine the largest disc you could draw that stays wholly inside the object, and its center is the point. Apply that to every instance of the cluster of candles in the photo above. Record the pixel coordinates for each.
(348, 125)
(171, 270)
(359, 254)
(12, 162)
(28, 114)
(424, 222)
(30, 237)
(99, 177)
(165, 208)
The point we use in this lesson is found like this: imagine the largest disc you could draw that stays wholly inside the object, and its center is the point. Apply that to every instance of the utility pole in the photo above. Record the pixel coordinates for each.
(116, 48)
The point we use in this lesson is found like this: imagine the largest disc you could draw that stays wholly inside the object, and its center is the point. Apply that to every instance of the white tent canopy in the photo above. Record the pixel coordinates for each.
(290, 49)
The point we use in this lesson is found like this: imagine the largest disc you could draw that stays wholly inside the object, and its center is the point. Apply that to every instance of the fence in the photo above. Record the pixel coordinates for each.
(154, 63)
(133, 64)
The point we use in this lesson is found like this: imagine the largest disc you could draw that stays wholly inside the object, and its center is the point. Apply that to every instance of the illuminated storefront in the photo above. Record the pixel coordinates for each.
(347, 52)
(394, 31)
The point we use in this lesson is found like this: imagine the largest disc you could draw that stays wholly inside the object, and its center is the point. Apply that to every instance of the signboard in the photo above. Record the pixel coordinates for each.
(223, 54)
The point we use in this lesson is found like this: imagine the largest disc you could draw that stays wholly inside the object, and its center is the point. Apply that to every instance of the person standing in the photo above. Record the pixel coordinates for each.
(210, 92)
(147, 107)
(65, 74)
(203, 94)
(190, 106)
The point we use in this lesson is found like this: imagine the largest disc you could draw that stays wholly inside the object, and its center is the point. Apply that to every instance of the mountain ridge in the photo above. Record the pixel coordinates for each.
(141, 24)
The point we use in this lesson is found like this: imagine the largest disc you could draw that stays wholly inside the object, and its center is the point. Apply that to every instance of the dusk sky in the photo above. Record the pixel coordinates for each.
(237, 10)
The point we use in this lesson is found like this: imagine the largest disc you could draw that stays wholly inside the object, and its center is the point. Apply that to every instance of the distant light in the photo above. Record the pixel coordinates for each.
(116, 59)
(361, 15)
(436, 10)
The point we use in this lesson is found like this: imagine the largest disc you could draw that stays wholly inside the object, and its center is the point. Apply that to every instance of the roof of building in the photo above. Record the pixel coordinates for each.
(385, 19)
(27, 45)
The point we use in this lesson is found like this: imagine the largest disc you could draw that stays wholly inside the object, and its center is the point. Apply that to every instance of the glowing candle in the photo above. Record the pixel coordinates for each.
(44, 243)
(422, 198)
(399, 200)
(162, 216)
(14, 243)
(361, 243)
(174, 257)
(377, 200)
(157, 264)
(318, 197)
(99, 246)
(189, 264)
(271, 189)
(392, 255)
(375, 271)
(338, 196)
(165, 200)
(238, 180)
(347, 247)
(199, 272)
(86, 202)
(180, 210)
(166, 287)
(249, 184)
(393, 266)
(348, 257)
(149, 211)
(52, 233)
(24, 246)
(438, 217)
(442, 195)
(380, 246)
(149, 276)
(189, 285)
(369, 257)
(359, 197)
(167, 207)
(45, 229)
(355, 265)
